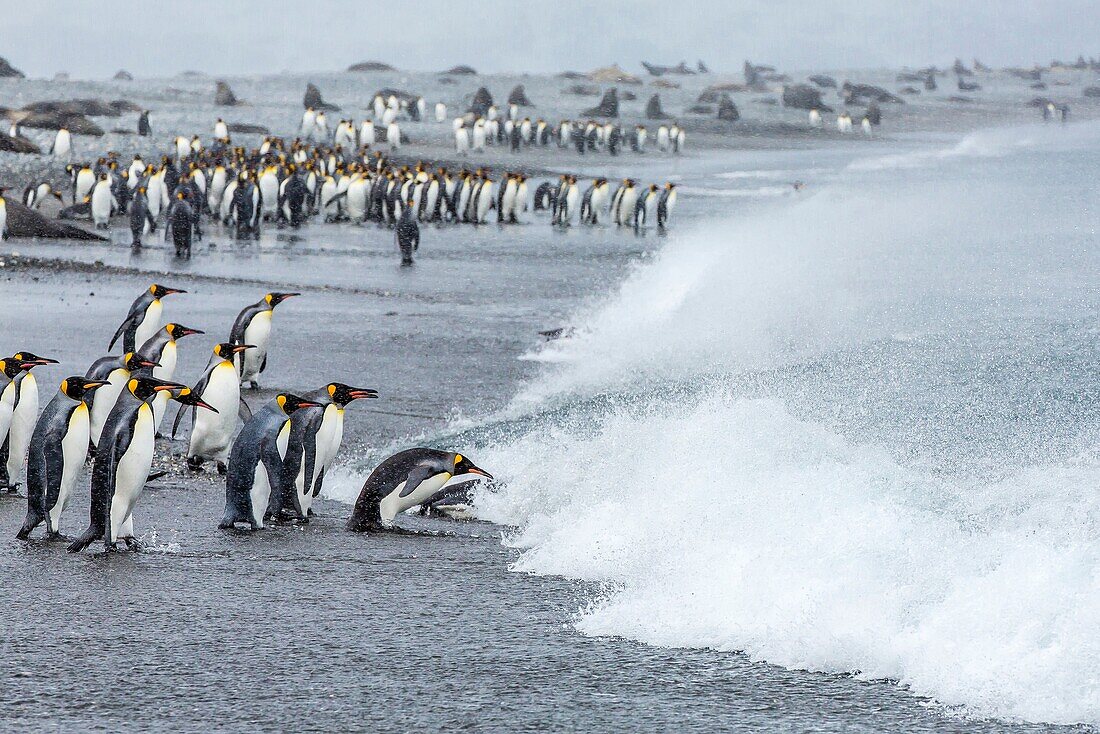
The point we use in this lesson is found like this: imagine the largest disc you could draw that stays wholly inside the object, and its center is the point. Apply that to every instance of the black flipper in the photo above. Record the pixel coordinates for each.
(416, 477)
(179, 417)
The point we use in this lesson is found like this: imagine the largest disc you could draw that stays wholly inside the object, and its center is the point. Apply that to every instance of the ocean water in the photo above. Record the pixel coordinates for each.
(853, 431)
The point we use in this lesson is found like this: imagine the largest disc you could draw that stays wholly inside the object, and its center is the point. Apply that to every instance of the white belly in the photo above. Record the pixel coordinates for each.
(260, 493)
(74, 449)
(167, 361)
(257, 333)
(149, 325)
(394, 504)
(132, 473)
(212, 433)
(101, 204)
(22, 426)
(105, 398)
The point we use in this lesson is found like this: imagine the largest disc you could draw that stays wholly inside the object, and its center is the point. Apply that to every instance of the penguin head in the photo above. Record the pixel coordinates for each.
(144, 388)
(187, 396)
(342, 394)
(290, 403)
(160, 291)
(13, 365)
(76, 387)
(462, 465)
(134, 362)
(274, 299)
(177, 331)
(227, 350)
(29, 360)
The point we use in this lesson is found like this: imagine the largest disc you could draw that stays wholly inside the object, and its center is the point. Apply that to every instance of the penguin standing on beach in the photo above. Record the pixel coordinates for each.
(161, 348)
(666, 204)
(212, 433)
(407, 234)
(115, 371)
(18, 413)
(253, 326)
(3, 214)
(62, 144)
(180, 218)
(143, 127)
(319, 434)
(405, 480)
(255, 482)
(58, 449)
(645, 207)
(123, 462)
(144, 318)
(141, 219)
(103, 202)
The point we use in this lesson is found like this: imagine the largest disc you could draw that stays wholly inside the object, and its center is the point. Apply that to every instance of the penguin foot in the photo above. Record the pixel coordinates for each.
(222, 468)
(133, 544)
(194, 463)
(254, 385)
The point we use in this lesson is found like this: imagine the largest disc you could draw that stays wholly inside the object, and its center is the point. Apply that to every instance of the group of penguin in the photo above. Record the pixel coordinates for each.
(274, 466)
(287, 183)
(630, 204)
(843, 122)
(590, 136)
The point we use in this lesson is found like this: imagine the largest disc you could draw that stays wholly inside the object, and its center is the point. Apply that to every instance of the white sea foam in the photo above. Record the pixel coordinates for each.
(732, 525)
(740, 524)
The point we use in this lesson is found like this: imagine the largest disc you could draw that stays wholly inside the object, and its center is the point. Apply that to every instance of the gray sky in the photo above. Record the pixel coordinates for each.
(94, 38)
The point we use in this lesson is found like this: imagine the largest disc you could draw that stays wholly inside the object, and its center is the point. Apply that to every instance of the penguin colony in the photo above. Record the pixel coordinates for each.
(274, 466)
(340, 175)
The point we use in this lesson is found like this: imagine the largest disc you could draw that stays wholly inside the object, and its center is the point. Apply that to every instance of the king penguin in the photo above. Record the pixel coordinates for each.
(212, 433)
(254, 485)
(59, 447)
(319, 434)
(123, 462)
(407, 233)
(18, 413)
(62, 144)
(143, 319)
(161, 348)
(116, 371)
(404, 480)
(253, 326)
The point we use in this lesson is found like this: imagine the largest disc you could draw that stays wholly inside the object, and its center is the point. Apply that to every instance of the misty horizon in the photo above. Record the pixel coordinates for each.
(504, 37)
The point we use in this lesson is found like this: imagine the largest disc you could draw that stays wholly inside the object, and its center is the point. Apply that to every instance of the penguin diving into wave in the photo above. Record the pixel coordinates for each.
(59, 447)
(405, 480)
